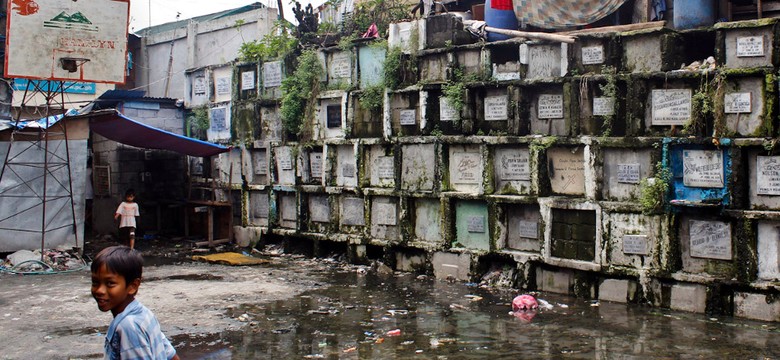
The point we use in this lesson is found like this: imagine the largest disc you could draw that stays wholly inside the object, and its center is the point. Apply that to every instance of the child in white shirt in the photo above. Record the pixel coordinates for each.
(127, 211)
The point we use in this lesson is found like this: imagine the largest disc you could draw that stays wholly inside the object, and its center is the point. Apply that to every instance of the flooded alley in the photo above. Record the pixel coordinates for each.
(400, 317)
(300, 308)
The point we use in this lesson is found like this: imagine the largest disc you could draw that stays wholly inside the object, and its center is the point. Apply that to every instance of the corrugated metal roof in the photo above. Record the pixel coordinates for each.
(203, 18)
(135, 95)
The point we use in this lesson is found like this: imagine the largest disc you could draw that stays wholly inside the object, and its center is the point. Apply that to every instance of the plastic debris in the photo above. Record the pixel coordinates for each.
(474, 297)
(543, 304)
(524, 302)
(350, 349)
(396, 332)
(243, 318)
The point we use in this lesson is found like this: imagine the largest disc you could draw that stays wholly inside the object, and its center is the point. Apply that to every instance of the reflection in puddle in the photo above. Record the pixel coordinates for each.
(366, 317)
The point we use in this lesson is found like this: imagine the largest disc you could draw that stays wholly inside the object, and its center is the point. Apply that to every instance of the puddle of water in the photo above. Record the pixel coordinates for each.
(357, 316)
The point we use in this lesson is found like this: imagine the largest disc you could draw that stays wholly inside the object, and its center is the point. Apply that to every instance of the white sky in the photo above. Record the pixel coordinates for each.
(164, 11)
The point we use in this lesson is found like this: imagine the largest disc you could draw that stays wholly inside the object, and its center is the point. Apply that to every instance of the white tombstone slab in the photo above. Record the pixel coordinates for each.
(603, 106)
(496, 108)
(247, 80)
(272, 74)
(710, 239)
(628, 173)
(385, 167)
(386, 214)
(738, 103)
(513, 165)
(750, 46)
(408, 117)
(315, 165)
(768, 175)
(703, 168)
(671, 107)
(635, 244)
(466, 168)
(593, 55)
(550, 106)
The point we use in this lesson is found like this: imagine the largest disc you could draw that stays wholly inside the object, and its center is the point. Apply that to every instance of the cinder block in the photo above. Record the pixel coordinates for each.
(689, 297)
(614, 290)
(755, 306)
(246, 235)
(449, 265)
(408, 262)
(554, 281)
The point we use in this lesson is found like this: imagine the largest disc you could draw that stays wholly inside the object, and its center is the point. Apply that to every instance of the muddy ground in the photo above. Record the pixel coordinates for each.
(55, 317)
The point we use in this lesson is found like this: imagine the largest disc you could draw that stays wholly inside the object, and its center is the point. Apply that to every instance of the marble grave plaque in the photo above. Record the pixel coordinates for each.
(352, 211)
(768, 175)
(703, 168)
(513, 165)
(219, 119)
(315, 165)
(496, 108)
(710, 239)
(341, 65)
(386, 214)
(543, 61)
(285, 160)
(738, 103)
(750, 46)
(348, 170)
(261, 163)
(247, 80)
(628, 173)
(199, 87)
(289, 210)
(568, 172)
(671, 107)
(467, 168)
(272, 74)
(635, 244)
(550, 106)
(260, 207)
(603, 106)
(447, 112)
(528, 229)
(223, 85)
(319, 209)
(476, 224)
(384, 166)
(593, 55)
(408, 117)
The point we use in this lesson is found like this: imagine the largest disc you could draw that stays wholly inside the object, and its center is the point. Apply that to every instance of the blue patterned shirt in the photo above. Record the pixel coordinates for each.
(135, 334)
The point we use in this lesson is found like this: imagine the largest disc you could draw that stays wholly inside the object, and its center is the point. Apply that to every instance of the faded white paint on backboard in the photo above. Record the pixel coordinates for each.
(40, 33)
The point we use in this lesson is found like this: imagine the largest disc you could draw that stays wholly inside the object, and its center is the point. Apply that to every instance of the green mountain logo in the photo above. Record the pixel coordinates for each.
(76, 21)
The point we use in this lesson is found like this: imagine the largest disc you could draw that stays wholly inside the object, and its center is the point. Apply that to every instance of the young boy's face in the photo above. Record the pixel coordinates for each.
(111, 291)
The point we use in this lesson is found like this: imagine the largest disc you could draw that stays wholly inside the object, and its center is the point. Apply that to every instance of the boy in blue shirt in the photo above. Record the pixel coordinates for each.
(135, 332)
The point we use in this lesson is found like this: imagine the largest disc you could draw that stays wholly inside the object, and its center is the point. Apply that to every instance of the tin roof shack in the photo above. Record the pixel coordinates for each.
(21, 214)
(159, 177)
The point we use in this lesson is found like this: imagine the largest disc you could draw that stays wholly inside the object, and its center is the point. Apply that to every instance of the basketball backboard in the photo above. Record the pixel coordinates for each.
(84, 40)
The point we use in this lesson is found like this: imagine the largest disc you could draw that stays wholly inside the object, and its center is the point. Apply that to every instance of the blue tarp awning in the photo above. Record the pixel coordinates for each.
(113, 125)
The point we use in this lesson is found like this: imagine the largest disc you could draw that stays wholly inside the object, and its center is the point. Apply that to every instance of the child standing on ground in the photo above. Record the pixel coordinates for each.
(135, 332)
(127, 211)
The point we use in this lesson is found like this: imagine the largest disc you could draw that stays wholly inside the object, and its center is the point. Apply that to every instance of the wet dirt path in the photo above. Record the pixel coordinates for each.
(301, 308)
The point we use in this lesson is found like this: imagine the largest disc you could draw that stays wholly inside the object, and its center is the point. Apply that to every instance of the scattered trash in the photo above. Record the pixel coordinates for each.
(361, 270)
(563, 305)
(595, 304)
(379, 341)
(383, 270)
(49, 262)
(474, 297)
(408, 342)
(418, 351)
(704, 66)
(396, 332)
(422, 277)
(543, 304)
(230, 258)
(398, 312)
(458, 307)
(350, 349)
(524, 302)
(243, 318)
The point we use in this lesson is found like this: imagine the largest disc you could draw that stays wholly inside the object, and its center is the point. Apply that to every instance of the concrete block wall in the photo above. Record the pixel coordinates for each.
(598, 168)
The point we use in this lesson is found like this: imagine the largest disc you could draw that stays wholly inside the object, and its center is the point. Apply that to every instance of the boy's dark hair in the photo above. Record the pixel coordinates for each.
(122, 260)
(129, 192)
